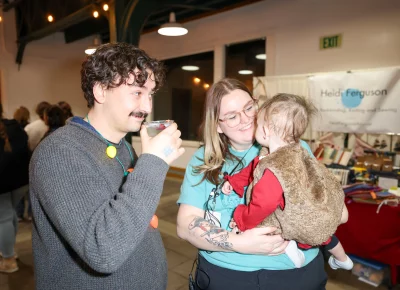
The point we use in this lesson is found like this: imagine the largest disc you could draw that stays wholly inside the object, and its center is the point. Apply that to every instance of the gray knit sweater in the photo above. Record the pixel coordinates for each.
(87, 234)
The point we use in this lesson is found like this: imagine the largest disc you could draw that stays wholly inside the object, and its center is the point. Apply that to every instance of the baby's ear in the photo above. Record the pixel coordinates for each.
(265, 130)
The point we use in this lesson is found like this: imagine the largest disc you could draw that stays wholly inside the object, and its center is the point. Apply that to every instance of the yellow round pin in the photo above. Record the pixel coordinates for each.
(111, 151)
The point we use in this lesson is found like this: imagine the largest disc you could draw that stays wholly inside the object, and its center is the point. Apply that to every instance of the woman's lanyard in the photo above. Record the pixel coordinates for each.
(215, 192)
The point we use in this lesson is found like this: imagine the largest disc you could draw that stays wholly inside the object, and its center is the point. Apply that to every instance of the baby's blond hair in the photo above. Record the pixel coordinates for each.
(287, 116)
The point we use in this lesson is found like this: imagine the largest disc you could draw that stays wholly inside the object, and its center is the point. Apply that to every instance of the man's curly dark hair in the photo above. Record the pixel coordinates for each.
(113, 63)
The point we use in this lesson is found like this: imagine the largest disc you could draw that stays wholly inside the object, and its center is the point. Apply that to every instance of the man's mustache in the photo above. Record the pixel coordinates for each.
(139, 114)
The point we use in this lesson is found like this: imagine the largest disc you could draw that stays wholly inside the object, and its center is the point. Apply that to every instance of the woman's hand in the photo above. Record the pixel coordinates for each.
(345, 215)
(227, 188)
(257, 242)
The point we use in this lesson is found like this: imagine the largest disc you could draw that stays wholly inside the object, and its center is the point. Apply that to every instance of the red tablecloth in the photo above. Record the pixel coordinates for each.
(372, 235)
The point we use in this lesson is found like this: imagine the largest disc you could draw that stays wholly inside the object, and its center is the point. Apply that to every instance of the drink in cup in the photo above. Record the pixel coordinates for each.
(155, 127)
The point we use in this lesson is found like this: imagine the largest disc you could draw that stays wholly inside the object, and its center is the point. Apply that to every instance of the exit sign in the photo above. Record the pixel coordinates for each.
(332, 41)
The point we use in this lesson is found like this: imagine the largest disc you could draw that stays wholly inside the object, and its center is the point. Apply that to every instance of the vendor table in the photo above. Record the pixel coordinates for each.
(372, 235)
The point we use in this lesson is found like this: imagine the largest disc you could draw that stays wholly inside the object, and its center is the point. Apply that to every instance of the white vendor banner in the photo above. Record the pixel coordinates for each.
(362, 102)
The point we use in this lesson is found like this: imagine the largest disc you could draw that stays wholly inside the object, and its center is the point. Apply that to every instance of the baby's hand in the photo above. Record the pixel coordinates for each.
(226, 188)
(232, 223)
(233, 226)
(236, 230)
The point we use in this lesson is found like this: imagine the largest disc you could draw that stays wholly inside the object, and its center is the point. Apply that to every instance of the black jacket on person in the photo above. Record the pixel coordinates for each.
(14, 165)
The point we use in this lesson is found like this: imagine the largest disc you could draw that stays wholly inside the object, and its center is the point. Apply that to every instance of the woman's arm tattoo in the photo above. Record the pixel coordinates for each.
(213, 234)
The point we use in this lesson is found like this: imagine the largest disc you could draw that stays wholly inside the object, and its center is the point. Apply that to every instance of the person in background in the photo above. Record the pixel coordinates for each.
(14, 163)
(66, 109)
(38, 128)
(5, 146)
(93, 199)
(22, 115)
(54, 118)
(251, 260)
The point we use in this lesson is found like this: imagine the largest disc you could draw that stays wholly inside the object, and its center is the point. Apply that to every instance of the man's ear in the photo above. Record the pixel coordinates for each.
(99, 93)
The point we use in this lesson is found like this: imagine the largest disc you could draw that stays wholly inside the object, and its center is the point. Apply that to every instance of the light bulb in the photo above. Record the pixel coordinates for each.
(245, 72)
(190, 67)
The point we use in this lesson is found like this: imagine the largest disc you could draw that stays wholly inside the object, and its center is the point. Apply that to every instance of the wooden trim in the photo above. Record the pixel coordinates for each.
(177, 169)
(176, 172)
(174, 175)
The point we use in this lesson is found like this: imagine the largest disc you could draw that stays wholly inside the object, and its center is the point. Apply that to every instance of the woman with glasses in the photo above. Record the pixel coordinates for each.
(251, 260)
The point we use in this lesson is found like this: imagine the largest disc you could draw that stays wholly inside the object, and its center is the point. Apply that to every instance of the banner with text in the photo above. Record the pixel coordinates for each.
(363, 102)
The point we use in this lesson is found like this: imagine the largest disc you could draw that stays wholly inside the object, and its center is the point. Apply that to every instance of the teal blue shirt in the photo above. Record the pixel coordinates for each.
(197, 195)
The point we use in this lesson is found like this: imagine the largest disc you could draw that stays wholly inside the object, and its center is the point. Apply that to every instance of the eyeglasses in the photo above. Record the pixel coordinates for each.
(233, 119)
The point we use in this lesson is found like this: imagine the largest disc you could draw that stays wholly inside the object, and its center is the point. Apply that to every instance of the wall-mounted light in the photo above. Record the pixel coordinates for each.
(50, 18)
(190, 67)
(261, 56)
(206, 86)
(172, 28)
(95, 14)
(245, 72)
(1, 19)
(105, 7)
(91, 49)
(196, 80)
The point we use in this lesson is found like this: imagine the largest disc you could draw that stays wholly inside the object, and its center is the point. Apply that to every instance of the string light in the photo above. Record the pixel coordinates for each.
(95, 14)
(105, 7)
(50, 18)
(1, 19)
(206, 86)
(196, 80)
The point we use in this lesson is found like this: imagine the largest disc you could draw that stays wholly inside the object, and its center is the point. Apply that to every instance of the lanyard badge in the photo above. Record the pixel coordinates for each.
(210, 214)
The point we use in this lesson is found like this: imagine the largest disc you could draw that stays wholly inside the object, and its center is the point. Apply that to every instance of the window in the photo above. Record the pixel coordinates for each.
(246, 60)
(182, 97)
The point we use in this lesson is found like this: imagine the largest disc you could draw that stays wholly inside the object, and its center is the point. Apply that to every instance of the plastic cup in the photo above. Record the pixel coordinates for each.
(155, 127)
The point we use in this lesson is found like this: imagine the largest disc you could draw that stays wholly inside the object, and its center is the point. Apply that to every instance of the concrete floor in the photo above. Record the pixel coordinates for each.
(180, 254)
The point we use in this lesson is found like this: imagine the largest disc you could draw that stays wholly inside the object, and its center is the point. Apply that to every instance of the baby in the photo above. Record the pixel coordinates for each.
(288, 188)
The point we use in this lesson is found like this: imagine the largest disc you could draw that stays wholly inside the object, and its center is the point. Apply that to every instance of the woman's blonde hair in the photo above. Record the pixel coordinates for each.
(216, 145)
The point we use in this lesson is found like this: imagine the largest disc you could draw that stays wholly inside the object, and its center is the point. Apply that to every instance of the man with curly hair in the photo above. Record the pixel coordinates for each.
(92, 197)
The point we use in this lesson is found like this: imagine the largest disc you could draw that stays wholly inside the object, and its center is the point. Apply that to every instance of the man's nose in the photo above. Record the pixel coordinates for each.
(146, 103)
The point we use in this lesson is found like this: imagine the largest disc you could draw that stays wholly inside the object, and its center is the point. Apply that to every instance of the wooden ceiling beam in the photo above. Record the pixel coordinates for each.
(11, 5)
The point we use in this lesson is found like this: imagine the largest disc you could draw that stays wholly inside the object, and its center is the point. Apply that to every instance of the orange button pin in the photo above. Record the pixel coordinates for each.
(154, 221)
(130, 170)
